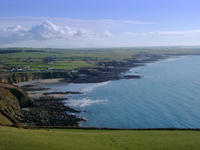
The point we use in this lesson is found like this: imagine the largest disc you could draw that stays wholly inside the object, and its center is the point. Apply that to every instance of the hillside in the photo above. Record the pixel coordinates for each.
(12, 99)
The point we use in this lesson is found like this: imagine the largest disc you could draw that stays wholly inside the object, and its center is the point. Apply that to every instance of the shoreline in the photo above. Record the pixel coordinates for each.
(53, 100)
(56, 97)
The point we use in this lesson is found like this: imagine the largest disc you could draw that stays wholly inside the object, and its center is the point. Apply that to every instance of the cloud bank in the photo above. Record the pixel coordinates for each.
(47, 31)
(78, 33)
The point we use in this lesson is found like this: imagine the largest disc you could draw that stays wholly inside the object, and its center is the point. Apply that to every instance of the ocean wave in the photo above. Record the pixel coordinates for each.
(84, 102)
(93, 86)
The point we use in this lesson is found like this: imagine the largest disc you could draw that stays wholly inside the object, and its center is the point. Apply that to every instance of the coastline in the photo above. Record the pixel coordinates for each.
(47, 101)
(54, 102)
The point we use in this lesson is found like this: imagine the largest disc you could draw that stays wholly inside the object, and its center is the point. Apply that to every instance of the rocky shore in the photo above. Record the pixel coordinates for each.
(51, 112)
(49, 109)
(19, 108)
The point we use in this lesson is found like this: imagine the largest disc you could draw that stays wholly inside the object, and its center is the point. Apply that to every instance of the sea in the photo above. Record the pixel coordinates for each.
(167, 96)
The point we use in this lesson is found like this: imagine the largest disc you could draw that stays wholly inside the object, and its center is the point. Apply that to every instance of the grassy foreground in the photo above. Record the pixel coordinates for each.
(77, 139)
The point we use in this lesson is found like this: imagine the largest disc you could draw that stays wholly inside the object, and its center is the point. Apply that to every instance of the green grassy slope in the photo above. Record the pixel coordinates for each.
(72, 139)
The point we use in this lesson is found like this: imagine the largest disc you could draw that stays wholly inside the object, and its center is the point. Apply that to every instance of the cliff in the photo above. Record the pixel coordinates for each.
(28, 76)
(12, 99)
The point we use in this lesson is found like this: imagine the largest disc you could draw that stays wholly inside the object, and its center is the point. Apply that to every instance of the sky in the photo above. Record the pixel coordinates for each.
(99, 23)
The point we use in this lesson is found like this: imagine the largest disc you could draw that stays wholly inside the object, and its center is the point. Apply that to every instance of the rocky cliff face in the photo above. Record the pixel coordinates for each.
(27, 76)
(12, 99)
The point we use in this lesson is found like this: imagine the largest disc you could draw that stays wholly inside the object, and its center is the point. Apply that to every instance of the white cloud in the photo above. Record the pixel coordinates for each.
(46, 31)
(165, 33)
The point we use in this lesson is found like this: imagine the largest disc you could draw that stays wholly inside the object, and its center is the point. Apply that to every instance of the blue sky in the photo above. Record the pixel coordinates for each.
(99, 23)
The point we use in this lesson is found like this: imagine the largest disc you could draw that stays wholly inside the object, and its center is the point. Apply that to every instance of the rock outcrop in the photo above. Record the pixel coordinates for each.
(12, 99)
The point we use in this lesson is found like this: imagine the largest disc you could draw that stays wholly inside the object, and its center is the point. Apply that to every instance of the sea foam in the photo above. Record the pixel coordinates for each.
(93, 86)
(84, 102)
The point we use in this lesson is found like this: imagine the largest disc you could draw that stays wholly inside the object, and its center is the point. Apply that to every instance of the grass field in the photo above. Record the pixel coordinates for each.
(34, 59)
(62, 59)
(77, 139)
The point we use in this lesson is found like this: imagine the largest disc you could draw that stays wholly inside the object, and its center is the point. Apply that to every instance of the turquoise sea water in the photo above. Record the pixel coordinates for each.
(167, 96)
